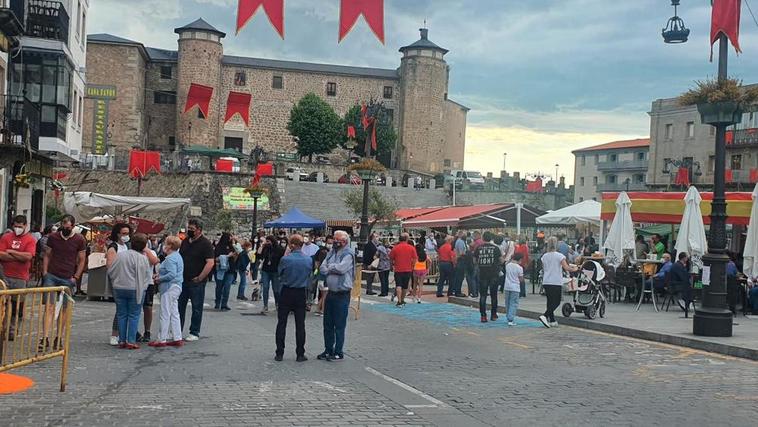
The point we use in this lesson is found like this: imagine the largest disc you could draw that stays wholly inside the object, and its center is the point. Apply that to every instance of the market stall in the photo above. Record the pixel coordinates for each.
(295, 218)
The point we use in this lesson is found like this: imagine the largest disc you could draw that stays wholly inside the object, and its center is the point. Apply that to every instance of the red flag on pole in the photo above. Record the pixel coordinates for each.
(274, 9)
(142, 162)
(682, 177)
(534, 186)
(238, 103)
(372, 11)
(264, 169)
(201, 96)
(725, 18)
(351, 131)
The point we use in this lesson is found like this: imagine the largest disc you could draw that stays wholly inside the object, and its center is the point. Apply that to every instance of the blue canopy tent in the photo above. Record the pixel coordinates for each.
(295, 218)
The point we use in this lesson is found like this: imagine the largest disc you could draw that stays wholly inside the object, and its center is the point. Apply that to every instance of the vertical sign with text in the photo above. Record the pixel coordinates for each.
(100, 131)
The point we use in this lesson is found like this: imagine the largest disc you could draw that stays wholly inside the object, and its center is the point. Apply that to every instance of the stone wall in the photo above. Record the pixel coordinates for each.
(161, 118)
(124, 67)
(455, 136)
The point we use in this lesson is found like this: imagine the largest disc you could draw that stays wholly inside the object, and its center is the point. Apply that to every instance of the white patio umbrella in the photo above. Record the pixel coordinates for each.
(750, 265)
(691, 238)
(621, 234)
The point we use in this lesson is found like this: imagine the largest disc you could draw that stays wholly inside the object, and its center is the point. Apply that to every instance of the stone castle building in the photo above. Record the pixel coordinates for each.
(147, 90)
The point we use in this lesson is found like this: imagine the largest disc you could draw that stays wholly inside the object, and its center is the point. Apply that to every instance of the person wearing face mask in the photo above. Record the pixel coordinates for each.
(271, 254)
(197, 255)
(339, 269)
(63, 264)
(17, 249)
(320, 280)
(119, 242)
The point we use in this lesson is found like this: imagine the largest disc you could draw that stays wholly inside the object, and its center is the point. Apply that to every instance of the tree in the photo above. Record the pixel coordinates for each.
(316, 126)
(386, 137)
(380, 208)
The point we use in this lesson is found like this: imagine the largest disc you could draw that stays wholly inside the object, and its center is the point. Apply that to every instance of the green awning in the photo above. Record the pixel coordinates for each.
(199, 150)
(660, 229)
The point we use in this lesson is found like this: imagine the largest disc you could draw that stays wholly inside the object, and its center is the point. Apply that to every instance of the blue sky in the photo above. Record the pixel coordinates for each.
(543, 77)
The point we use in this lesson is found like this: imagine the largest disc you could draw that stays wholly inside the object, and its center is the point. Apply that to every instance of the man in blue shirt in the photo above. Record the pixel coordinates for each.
(658, 280)
(339, 269)
(295, 272)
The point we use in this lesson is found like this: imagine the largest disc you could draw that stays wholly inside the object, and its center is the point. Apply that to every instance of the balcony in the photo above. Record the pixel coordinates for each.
(621, 186)
(630, 165)
(45, 19)
(20, 122)
(742, 138)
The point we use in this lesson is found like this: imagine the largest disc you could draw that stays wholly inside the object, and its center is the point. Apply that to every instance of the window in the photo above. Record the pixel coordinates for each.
(200, 114)
(331, 89)
(713, 130)
(76, 107)
(164, 97)
(277, 82)
(690, 129)
(166, 72)
(581, 181)
(611, 179)
(78, 8)
(240, 78)
(584, 161)
(669, 131)
(594, 180)
(641, 157)
(613, 158)
(84, 27)
(597, 158)
(388, 92)
(81, 110)
(447, 163)
(711, 164)
(736, 162)
(172, 141)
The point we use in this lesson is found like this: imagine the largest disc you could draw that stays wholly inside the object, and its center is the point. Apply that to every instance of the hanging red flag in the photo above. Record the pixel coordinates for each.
(142, 225)
(142, 162)
(238, 103)
(274, 9)
(372, 11)
(682, 177)
(224, 165)
(754, 175)
(351, 132)
(201, 96)
(263, 169)
(364, 116)
(729, 175)
(534, 186)
(729, 137)
(725, 19)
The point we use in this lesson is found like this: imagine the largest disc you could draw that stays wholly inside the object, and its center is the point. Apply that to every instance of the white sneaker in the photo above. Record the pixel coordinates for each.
(191, 337)
(114, 341)
(511, 323)
(553, 324)
(544, 321)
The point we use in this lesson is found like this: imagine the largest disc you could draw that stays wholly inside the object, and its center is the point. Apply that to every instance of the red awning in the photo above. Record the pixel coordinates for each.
(410, 213)
(454, 216)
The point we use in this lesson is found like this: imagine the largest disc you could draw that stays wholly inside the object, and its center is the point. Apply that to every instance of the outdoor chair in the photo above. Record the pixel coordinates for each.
(675, 290)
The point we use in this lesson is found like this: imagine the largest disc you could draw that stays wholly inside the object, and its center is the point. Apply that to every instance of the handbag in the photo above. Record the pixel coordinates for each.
(374, 264)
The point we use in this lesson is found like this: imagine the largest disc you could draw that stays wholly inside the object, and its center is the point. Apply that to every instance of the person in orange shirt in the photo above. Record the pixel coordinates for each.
(446, 266)
(403, 257)
(523, 249)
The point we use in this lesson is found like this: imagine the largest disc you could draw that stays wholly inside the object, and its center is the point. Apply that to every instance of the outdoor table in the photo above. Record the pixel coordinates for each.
(648, 267)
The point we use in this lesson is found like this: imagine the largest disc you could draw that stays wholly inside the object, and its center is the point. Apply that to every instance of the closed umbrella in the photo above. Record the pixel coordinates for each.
(750, 266)
(691, 238)
(621, 234)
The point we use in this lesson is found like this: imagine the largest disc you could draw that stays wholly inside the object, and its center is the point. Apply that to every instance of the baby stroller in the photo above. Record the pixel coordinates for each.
(587, 292)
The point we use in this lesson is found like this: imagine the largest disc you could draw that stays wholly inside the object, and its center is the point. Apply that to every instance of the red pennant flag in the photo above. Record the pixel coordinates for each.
(274, 9)
(725, 18)
(201, 96)
(754, 175)
(142, 225)
(372, 11)
(264, 169)
(364, 116)
(729, 175)
(142, 162)
(238, 103)
(373, 134)
(534, 186)
(351, 132)
(682, 177)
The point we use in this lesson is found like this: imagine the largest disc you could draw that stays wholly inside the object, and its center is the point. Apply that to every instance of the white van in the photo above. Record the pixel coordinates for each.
(472, 178)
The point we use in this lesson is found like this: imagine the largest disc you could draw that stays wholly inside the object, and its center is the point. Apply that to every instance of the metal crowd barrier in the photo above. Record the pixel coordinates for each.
(23, 337)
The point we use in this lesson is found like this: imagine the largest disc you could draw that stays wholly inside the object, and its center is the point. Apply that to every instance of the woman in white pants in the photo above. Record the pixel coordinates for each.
(170, 286)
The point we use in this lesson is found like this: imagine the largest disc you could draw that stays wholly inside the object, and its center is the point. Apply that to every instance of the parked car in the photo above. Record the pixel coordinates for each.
(323, 160)
(350, 179)
(474, 179)
(296, 174)
(313, 177)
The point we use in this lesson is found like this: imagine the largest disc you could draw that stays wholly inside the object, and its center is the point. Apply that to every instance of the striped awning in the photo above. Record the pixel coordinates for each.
(668, 208)
(341, 223)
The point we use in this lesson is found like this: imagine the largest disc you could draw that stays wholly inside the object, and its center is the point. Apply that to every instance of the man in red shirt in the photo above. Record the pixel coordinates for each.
(17, 249)
(446, 257)
(403, 257)
(523, 249)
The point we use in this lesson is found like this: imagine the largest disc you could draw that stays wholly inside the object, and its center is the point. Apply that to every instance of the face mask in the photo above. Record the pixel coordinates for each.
(66, 232)
(329, 246)
(191, 234)
(337, 245)
(320, 244)
(124, 239)
(18, 230)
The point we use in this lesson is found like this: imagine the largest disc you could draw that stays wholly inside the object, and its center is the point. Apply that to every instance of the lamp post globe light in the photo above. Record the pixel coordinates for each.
(712, 317)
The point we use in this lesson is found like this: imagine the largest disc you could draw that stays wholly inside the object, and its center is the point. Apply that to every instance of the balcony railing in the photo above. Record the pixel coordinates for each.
(623, 166)
(742, 138)
(20, 122)
(45, 19)
(621, 186)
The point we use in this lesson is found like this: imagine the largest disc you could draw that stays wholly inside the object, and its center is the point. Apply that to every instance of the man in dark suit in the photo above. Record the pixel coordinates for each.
(681, 282)
(369, 252)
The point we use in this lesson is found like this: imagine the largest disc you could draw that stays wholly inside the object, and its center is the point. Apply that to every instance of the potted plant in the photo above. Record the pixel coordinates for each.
(720, 102)
(367, 168)
(256, 190)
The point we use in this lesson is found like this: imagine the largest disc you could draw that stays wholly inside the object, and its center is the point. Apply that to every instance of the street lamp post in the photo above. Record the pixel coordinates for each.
(505, 155)
(364, 209)
(255, 195)
(556, 172)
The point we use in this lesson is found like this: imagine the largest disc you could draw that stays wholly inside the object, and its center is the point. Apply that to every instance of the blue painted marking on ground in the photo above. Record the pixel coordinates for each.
(451, 315)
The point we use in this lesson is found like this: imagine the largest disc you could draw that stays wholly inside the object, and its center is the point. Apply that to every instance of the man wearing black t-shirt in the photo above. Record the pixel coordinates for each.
(487, 257)
(197, 254)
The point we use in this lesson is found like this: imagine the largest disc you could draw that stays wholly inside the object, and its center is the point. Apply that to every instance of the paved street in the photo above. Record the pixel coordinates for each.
(427, 364)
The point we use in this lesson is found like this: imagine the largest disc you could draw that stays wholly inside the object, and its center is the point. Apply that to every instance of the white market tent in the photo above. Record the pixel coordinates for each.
(586, 212)
(85, 204)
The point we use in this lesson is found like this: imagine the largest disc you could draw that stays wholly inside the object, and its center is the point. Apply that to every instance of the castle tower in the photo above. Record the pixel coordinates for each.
(200, 54)
(423, 92)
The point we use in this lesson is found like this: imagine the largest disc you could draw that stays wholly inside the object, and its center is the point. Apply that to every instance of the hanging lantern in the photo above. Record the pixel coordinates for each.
(675, 31)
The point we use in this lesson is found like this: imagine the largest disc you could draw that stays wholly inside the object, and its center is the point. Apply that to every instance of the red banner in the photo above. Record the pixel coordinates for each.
(351, 132)
(682, 177)
(372, 11)
(274, 9)
(238, 103)
(534, 186)
(729, 175)
(224, 165)
(201, 96)
(141, 225)
(725, 19)
(142, 162)
(754, 176)
(369, 126)
(264, 169)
